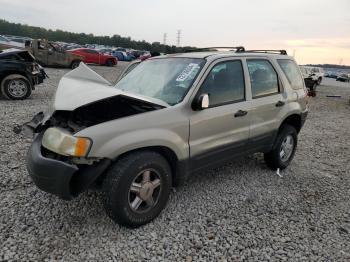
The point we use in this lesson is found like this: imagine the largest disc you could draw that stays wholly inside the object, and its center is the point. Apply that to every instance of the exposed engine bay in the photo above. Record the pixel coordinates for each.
(95, 113)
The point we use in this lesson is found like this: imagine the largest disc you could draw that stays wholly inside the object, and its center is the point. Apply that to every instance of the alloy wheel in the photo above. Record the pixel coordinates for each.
(287, 148)
(144, 191)
(17, 88)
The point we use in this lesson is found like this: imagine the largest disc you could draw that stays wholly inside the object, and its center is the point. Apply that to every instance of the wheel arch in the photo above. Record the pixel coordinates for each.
(179, 169)
(7, 73)
(293, 120)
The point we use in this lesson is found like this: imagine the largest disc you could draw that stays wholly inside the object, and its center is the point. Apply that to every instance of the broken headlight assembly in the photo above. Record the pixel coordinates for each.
(63, 143)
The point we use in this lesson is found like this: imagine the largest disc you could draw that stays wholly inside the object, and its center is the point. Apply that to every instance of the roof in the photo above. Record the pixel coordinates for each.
(212, 55)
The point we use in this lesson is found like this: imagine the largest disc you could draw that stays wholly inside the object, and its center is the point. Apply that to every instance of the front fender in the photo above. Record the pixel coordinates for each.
(140, 139)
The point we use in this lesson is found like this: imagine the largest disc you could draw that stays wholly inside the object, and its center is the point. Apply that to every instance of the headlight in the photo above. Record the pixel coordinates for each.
(65, 144)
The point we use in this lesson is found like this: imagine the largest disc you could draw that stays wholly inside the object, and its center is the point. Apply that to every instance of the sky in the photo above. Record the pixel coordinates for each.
(315, 31)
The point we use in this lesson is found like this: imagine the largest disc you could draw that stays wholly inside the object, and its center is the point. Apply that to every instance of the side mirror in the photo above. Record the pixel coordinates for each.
(201, 102)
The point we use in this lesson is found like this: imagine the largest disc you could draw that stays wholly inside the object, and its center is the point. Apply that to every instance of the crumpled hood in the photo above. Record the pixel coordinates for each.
(82, 86)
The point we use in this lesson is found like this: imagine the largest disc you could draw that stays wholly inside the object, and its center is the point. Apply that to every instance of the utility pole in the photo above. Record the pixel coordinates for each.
(178, 37)
(164, 38)
(340, 61)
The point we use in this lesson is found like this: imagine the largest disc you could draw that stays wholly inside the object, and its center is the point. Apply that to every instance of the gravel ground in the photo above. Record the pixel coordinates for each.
(240, 211)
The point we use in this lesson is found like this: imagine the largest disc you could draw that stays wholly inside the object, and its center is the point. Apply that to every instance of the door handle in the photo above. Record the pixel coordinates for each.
(280, 103)
(240, 113)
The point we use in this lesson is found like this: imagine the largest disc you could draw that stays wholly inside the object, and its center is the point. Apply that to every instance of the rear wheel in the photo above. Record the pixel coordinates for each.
(137, 188)
(284, 148)
(75, 64)
(16, 87)
(319, 80)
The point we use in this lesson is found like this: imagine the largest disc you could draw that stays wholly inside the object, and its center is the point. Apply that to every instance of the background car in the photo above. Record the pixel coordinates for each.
(92, 56)
(106, 51)
(148, 55)
(310, 83)
(343, 78)
(317, 73)
(19, 73)
(331, 74)
(122, 56)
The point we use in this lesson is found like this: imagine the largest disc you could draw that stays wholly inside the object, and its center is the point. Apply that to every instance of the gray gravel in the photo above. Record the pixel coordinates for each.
(241, 211)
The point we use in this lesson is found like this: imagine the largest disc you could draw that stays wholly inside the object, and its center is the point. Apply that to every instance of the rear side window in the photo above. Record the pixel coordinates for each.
(225, 83)
(263, 78)
(291, 71)
(90, 51)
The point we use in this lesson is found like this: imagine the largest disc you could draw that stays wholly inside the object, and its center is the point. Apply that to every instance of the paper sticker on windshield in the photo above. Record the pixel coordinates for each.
(190, 70)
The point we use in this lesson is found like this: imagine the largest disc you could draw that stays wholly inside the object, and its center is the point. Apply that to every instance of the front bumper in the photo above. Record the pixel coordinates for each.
(49, 175)
(39, 76)
(60, 178)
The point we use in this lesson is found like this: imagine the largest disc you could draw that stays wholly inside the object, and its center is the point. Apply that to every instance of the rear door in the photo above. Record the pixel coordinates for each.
(268, 102)
(222, 130)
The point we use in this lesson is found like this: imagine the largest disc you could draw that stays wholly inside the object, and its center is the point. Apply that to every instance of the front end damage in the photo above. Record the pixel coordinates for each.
(58, 175)
(56, 163)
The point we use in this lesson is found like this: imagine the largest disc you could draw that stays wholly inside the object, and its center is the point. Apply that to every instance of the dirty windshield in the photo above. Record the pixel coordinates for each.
(167, 79)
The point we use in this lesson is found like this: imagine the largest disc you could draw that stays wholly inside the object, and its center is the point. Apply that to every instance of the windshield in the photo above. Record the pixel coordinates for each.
(167, 79)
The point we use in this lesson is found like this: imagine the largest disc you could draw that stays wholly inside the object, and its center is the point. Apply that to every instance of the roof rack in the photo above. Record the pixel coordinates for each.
(282, 52)
(208, 49)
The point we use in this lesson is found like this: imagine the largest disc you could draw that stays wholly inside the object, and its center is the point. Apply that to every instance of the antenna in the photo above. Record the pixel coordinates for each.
(178, 37)
(164, 38)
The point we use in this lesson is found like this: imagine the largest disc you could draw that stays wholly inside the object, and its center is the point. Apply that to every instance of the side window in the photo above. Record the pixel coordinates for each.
(225, 83)
(291, 71)
(263, 78)
(90, 51)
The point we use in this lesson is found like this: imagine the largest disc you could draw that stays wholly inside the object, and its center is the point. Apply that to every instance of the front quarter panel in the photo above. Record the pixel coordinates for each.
(168, 127)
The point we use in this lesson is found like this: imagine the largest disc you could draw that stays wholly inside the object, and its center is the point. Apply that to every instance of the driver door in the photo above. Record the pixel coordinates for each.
(41, 53)
(55, 56)
(221, 131)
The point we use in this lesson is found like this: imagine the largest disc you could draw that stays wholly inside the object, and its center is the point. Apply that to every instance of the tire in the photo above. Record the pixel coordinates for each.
(75, 64)
(314, 86)
(109, 62)
(126, 207)
(273, 159)
(319, 80)
(16, 87)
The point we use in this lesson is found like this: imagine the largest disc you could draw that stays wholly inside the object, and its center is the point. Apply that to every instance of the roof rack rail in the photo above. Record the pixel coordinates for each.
(282, 52)
(230, 48)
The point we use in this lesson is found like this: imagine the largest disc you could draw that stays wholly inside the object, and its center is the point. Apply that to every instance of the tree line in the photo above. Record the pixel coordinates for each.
(17, 29)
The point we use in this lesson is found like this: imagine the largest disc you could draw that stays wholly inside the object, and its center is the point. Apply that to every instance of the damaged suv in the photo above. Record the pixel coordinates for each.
(164, 119)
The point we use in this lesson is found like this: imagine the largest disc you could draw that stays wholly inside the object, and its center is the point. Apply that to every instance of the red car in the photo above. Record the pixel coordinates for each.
(92, 56)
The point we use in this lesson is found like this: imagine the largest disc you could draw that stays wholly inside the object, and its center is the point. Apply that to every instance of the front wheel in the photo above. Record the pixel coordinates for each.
(283, 149)
(16, 87)
(319, 80)
(110, 62)
(137, 188)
